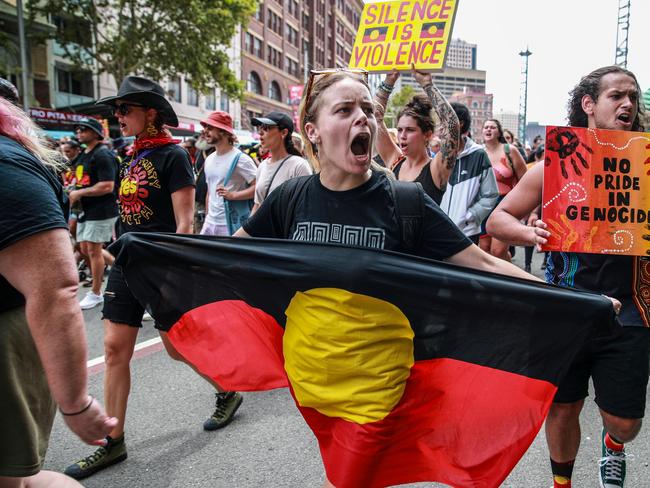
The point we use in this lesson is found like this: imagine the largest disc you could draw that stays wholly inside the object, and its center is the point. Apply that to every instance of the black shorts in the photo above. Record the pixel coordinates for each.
(618, 366)
(120, 305)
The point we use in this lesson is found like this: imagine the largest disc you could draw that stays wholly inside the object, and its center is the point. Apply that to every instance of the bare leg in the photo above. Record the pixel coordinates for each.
(328, 484)
(623, 430)
(96, 265)
(44, 479)
(485, 243)
(563, 431)
(109, 259)
(119, 342)
(174, 354)
(500, 250)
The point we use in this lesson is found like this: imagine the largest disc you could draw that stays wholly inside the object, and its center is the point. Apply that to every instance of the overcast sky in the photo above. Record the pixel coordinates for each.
(568, 38)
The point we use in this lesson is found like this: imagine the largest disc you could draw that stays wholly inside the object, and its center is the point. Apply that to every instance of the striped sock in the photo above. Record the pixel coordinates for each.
(613, 444)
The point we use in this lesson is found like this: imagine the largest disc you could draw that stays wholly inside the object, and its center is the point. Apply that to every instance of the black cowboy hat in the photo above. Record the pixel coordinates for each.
(145, 92)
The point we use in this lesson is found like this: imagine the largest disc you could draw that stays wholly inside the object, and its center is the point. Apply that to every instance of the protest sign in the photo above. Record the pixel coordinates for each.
(596, 196)
(400, 33)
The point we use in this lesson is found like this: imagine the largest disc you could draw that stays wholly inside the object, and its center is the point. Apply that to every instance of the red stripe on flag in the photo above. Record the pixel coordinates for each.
(458, 423)
(238, 346)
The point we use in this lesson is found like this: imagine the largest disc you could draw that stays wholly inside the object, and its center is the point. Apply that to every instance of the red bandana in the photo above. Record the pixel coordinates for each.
(162, 139)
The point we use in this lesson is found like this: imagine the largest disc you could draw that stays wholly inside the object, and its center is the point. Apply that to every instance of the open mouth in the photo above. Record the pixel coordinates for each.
(360, 145)
(625, 118)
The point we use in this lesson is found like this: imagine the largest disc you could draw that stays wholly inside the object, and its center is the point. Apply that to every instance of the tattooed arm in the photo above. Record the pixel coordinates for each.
(449, 132)
(387, 149)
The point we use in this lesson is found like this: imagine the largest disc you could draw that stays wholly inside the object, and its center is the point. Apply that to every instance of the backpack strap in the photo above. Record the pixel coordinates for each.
(409, 207)
(289, 193)
(506, 149)
(232, 168)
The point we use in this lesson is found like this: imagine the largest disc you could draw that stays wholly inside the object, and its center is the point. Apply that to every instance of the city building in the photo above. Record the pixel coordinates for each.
(480, 107)
(450, 81)
(461, 54)
(509, 120)
(534, 129)
(284, 40)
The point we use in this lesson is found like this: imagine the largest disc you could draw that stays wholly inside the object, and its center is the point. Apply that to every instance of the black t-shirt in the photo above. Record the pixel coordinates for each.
(100, 164)
(146, 188)
(613, 276)
(364, 216)
(32, 201)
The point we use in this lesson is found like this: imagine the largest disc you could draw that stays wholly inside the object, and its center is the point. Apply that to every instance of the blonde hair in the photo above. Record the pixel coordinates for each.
(310, 106)
(16, 125)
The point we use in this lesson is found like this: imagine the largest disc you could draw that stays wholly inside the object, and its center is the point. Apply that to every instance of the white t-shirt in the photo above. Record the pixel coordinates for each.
(294, 166)
(216, 169)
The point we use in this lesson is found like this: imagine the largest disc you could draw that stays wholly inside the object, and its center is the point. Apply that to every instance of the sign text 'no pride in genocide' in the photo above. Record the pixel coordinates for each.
(400, 33)
(596, 195)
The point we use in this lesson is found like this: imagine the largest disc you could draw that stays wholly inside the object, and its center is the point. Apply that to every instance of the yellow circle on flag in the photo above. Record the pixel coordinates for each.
(432, 30)
(374, 34)
(80, 172)
(347, 355)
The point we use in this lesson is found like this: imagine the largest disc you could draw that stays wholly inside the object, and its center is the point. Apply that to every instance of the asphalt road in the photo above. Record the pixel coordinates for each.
(268, 444)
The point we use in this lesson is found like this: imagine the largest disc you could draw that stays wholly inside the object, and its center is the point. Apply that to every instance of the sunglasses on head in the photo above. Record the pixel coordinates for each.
(124, 108)
(321, 73)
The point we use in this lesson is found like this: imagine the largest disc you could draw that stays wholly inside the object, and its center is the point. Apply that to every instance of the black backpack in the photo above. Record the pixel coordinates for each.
(409, 205)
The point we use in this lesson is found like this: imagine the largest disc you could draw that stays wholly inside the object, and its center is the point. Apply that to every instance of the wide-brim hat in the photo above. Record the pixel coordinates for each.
(220, 120)
(144, 92)
(92, 124)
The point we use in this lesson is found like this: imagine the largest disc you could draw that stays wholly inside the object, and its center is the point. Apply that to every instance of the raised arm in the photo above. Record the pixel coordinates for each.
(386, 148)
(449, 132)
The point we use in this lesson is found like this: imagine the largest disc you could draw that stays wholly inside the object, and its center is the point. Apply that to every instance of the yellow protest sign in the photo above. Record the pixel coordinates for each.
(400, 33)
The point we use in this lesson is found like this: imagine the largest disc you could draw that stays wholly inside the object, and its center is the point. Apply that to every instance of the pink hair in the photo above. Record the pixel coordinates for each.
(16, 125)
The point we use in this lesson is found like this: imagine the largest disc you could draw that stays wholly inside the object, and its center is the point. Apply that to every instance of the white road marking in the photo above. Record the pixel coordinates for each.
(140, 345)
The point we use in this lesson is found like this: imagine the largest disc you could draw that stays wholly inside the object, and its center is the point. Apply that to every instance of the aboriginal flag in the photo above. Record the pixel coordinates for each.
(432, 30)
(375, 34)
(406, 369)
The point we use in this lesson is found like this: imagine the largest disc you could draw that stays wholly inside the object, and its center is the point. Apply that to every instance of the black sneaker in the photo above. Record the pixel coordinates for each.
(226, 405)
(114, 452)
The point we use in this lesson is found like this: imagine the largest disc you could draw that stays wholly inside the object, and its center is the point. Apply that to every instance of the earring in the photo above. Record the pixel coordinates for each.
(151, 130)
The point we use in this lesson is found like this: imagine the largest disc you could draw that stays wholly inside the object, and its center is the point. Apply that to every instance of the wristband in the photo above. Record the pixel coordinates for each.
(92, 399)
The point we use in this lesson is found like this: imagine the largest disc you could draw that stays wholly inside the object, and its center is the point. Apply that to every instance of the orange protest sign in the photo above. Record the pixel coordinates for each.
(596, 196)
(401, 33)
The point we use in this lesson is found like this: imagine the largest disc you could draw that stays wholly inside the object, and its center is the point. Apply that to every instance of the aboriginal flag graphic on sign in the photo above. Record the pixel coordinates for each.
(406, 369)
(432, 30)
(375, 34)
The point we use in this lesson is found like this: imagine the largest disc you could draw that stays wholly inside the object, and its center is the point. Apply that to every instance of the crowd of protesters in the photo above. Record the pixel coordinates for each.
(479, 200)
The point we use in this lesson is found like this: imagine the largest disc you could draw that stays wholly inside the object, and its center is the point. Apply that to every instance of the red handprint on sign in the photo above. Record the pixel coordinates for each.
(566, 144)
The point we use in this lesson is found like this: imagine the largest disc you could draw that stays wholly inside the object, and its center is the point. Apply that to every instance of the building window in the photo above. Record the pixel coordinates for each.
(259, 15)
(274, 91)
(192, 95)
(292, 67)
(174, 89)
(210, 101)
(74, 82)
(292, 35)
(293, 7)
(224, 103)
(274, 57)
(274, 22)
(254, 83)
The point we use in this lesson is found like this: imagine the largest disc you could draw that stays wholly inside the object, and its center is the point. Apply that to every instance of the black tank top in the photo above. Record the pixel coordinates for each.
(425, 179)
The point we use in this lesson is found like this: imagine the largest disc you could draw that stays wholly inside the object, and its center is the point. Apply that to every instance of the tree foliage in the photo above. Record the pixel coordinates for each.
(396, 103)
(152, 38)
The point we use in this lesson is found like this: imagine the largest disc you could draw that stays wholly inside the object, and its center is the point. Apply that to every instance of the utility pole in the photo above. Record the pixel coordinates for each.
(622, 30)
(523, 95)
(23, 55)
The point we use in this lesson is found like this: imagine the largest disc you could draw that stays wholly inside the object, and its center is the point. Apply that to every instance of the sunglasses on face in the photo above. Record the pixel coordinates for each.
(321, 73)
(267, 128)
(81, 129)
(124, 108)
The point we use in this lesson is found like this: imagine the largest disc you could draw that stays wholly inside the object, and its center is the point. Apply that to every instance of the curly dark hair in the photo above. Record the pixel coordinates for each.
(590, 85)
(420, 109)
(501, 137)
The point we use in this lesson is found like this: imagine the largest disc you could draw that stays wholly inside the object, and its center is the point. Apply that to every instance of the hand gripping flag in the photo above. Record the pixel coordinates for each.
(406, 369)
